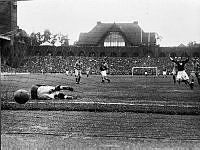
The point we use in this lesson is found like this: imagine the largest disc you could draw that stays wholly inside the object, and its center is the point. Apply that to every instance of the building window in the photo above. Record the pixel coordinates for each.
(114, 39)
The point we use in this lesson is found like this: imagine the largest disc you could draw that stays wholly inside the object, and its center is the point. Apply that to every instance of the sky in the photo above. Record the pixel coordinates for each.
(177, 21)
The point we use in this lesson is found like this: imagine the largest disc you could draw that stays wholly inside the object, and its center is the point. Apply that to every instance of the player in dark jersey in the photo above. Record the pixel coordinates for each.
(174, 73)
(78, 69)
(182, 75)
(104, 69)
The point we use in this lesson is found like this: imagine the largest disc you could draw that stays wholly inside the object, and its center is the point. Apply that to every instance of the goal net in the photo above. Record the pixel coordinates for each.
(144, 71)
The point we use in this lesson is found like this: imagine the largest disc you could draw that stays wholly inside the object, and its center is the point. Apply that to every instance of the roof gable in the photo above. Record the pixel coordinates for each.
(128, 30)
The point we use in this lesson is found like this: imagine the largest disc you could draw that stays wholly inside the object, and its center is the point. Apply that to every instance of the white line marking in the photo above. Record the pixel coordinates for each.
(103, 103)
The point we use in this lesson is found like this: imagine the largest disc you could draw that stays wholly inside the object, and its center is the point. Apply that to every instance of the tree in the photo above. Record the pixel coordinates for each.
(47, 35)
(193, 44)
(54, 38)
(34, 39)
(64, 40)
(39, 38)
(21, 36)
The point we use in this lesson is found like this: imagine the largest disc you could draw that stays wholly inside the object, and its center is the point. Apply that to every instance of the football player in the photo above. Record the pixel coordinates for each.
(103, 70)
(78, 69)
(182, 75)
(196, 64)
(45, 92)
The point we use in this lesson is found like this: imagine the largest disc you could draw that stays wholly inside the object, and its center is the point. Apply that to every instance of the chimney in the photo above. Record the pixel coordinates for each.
(98, 22)
(135, 22)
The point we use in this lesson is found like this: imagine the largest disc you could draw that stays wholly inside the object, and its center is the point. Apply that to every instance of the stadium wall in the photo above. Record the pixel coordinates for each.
(142, 51)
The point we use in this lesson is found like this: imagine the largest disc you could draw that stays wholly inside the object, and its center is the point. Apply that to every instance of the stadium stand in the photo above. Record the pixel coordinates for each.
(117, 65)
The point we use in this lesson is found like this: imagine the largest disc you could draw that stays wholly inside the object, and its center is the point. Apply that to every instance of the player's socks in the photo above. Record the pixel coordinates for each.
(108, 80)
(174, 78)
(186, 82)
(191, 84)
(77, 81)
(79, 78)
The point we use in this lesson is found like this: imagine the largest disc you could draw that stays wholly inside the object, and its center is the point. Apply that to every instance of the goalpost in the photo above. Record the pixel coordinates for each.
(145, 71)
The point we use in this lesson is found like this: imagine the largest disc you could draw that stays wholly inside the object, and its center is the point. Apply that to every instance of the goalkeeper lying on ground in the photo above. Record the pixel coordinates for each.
(50, 92)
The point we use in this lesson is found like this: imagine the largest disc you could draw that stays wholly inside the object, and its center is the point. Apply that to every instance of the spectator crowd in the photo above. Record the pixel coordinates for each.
(117, 65)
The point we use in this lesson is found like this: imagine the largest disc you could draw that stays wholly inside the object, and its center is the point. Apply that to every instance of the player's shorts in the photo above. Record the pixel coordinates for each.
(182, 75)
(77, 72)
(164, 73)
(34, 89)
(104, 73)
(192, 74)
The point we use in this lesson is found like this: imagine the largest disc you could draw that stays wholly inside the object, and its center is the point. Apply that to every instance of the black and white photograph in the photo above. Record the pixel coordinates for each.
(100, 74)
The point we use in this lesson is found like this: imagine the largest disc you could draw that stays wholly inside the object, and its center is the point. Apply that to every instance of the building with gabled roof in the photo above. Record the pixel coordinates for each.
(116, 34)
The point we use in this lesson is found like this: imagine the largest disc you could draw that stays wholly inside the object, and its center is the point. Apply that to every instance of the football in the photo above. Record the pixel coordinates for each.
(21, 96)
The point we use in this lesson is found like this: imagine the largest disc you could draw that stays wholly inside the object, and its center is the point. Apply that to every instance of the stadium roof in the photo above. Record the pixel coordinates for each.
(93, 37)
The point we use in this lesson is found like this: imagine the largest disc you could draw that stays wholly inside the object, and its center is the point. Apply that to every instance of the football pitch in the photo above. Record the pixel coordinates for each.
(122, 88)
(27, 129)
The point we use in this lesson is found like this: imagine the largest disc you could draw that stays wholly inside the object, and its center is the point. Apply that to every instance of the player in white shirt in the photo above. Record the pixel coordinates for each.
(78, 70)
(104, 70)
(87, 71)
(45, 92)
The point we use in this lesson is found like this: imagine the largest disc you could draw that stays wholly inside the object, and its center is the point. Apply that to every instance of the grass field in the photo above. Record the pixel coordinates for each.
(22, 129)
(121, 88)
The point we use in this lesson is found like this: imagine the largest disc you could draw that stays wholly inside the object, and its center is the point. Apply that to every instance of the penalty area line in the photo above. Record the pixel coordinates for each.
(103, 103)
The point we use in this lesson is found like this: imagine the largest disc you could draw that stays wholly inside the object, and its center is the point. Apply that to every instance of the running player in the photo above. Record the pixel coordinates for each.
(182, 75)
(45, 92)
(67, 72)
(104, 69)
(67, 69)
(78, 69)
(87, 71)
(196, 64)
(164, 72)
